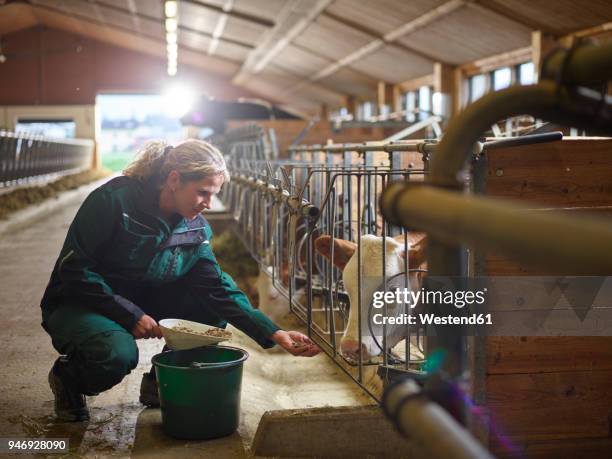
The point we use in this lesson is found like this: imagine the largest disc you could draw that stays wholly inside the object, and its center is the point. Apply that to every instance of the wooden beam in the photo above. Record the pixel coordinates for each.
(16, 16)
(416, 83)
(507, 59)
(460, 90)
(378, 43)
(376, 35)
(324, 112)
(351, 103)
(384, 95)
(264, 22)
(220, 26)
(155, 20)
(397, 98)
(541, 45)
(597, 31)
(444, 85)
(128, 38)
(278, 38)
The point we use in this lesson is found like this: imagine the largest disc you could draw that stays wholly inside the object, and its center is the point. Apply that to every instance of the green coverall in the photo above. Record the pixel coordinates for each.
(121, 260)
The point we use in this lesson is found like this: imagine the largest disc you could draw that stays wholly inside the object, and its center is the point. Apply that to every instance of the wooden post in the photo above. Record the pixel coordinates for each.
(396, 98)
(444, 86)
(384, 96)
(351, 104)
(324, 112)
(541, 45)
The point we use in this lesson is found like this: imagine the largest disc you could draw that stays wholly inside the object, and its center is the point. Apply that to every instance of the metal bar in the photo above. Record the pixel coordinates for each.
(580, 247)
(429, 425)
(359, 147)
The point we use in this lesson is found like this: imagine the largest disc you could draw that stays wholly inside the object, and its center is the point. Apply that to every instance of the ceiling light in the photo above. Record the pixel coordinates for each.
(171, 25)
(171, 38)
(170, 8)
(178, 99)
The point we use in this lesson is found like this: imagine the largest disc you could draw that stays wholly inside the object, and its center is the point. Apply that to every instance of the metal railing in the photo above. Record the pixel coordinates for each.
(452, 218)
(24, 157)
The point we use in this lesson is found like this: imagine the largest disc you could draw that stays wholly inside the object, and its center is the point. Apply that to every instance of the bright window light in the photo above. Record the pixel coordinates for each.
(172, 49)
(170, 8)
(171, 25)
(502, 78)
(171, 38)
(178, 100)
(527, 73)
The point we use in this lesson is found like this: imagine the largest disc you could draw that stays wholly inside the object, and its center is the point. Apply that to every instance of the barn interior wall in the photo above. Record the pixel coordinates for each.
(288, 130)
(550, 393)
(49, 66)
(84, 116)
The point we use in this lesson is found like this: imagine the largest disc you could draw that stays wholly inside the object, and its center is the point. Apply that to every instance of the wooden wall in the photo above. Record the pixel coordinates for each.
(51, 66)
(550, 397)
(322, 131)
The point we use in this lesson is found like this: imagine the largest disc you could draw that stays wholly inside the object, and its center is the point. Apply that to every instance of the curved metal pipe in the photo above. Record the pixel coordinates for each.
(585, 65)
(545, 100)
(429, 425)
(580, 247)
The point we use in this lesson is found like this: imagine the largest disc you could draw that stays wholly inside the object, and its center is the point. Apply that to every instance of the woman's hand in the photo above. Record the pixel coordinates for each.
(146, 328)
(295, 343)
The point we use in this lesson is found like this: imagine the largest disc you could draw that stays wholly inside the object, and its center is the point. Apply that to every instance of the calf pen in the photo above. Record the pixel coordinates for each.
(546, 396)
(546, 415)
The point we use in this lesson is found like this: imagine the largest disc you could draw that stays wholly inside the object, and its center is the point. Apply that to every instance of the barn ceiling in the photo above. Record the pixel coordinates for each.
(303, 53)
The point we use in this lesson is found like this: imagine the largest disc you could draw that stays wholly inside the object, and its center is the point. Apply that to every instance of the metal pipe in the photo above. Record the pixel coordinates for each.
(359, 147)
(557, 242)
(546, 100)
(429, 425)
(585, 65)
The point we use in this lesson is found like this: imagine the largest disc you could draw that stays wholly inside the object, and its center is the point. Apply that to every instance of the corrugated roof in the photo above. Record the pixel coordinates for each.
(300, 61)
(468, 34)
(393, 65)
(331, 39)
(561, 16)
(382, 15)
(326, 49)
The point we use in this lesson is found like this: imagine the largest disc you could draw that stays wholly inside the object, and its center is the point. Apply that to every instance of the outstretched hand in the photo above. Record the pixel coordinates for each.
(146, 328)
(296, 343)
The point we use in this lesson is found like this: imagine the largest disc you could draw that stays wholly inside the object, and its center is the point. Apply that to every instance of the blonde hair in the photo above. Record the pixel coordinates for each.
(193, 159)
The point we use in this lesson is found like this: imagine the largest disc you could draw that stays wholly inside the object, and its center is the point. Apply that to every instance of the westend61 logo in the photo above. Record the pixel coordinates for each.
(458, 298)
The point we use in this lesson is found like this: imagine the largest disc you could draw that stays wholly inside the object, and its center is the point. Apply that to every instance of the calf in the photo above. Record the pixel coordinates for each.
(345, 258)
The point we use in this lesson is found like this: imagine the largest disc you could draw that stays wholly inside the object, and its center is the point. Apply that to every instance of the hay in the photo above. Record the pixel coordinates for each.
(235, 260)
(23, 197)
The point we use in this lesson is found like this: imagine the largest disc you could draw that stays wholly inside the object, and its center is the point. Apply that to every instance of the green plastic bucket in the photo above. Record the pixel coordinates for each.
(199, 391)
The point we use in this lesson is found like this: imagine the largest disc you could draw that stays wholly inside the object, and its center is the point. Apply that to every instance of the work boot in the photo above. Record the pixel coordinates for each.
(149, 395)
(70, 404)
(149, 392)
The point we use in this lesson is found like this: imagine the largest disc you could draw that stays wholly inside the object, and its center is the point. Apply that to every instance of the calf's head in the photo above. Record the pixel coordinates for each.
(371, 279)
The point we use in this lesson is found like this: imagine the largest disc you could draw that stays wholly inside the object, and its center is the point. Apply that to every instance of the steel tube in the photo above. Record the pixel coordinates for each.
(545, 100)
(429, 425)
(554, 241)
(585, 64)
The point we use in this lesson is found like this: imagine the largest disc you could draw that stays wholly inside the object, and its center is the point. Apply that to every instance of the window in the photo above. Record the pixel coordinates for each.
(502, 78)
(59, 129)
(425, 93)
(526, 73)
(477, 87)
(365, 111)
(411, 104)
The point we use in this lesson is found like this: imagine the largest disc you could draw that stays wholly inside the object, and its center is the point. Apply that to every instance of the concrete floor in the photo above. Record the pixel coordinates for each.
(119, 425)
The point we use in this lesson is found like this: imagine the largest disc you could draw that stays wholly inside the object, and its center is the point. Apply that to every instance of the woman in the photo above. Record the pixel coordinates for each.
(138, 251)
